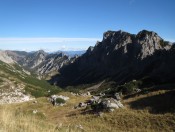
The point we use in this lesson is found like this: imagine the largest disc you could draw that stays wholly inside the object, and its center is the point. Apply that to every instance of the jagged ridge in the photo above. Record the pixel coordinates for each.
(121, 56)
(41, 63)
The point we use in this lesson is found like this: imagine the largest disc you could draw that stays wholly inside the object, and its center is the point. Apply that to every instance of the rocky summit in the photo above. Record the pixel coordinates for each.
(122, 57)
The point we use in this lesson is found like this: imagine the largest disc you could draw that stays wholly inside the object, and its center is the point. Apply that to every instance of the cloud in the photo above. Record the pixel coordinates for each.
(47, 44)
(44, 40)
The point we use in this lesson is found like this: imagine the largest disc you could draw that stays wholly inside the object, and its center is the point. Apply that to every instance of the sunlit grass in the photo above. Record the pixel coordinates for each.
(19, 117)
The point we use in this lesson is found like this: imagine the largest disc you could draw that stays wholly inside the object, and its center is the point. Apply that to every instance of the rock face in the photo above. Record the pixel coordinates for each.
(12, 93)
(52, 63)
(40, 62)
(33, 59)
(122, 57)
(16, 55)
(5, 58)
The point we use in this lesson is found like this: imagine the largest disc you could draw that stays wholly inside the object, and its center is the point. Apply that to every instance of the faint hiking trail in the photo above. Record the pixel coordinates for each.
(95, 87)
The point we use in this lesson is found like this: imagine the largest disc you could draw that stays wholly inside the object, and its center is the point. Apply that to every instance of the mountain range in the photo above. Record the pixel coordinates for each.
(119, 57)
(40, 63)
(122, 57)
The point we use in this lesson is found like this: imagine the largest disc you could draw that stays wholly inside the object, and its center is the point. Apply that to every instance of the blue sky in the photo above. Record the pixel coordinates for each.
(76, 24)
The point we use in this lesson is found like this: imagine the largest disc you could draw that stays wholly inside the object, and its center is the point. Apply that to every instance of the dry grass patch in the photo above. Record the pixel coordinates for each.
(126, 120)
(11, 121)
(66, 118)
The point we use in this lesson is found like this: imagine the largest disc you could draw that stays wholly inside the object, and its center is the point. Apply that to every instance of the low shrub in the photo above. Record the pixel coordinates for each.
(97, 107)
(60, 101)
(129, 87)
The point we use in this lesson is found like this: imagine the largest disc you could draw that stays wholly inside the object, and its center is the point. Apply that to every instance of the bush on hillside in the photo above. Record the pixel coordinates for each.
(97, 107)
(129, 87)
(60, 101)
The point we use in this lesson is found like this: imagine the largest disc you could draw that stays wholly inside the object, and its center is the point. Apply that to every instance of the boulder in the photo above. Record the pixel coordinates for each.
(54, 97)
(120, 105)
(102, 94)
(88, 93)
(108, 104)
(96, 98)
(137, 90)
(113, 105)
(117, 96)
(35, 111)
(34, 102)
(82, 104)
(111, 110)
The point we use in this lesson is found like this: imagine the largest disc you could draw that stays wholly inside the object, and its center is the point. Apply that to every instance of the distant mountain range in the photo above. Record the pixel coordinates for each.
(41, 63)
(71, 53)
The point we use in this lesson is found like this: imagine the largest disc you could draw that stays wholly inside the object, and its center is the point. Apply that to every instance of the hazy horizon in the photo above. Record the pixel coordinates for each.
(47, 44)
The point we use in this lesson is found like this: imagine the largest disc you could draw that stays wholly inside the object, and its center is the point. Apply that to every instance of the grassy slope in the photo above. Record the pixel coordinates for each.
(128, 119)
(14, 73)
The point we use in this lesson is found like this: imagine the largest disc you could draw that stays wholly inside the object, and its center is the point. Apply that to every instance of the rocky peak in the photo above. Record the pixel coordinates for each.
(145, 33)
(149, 38)
(90, 49)
(119, 54)
(115, 35)
(145, 41)
(150, 41)
(40, 53)
(108, 34)
(61, 54)
(33, 59)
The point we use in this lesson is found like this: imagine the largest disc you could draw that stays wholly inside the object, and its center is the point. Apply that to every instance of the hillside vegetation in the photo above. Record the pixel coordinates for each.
(17, 83)
(139, 114)
(142, 111)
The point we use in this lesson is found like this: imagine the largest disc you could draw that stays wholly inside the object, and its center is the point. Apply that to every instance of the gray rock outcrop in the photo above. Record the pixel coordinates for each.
(5, 58)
